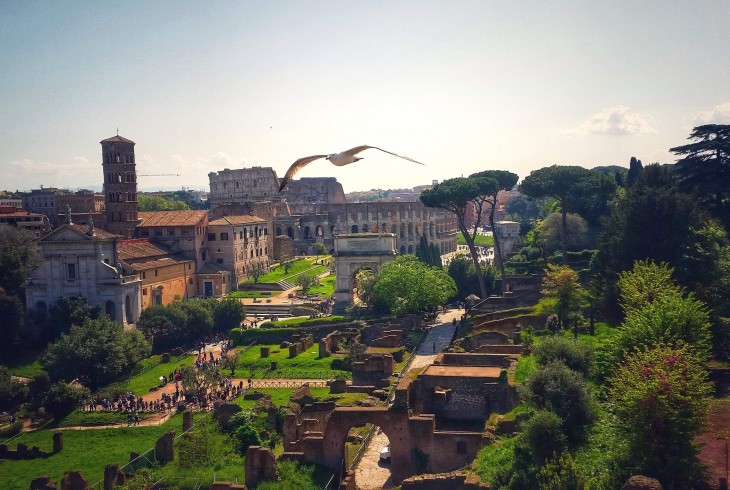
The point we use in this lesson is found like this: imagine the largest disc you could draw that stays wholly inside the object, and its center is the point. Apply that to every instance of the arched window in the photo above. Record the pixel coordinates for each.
(111, 310)
(353, 229)
(365, 228)
(410, 249)
(402, 249)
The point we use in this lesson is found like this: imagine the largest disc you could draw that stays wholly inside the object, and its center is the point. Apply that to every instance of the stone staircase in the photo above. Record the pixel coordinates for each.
(286, 285)
(264, 309)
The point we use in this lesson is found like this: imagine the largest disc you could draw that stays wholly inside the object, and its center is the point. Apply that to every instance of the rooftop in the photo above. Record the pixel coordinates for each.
(171, 218)
(243, 219)
(117, 139)
(140, 249)
(461, 371)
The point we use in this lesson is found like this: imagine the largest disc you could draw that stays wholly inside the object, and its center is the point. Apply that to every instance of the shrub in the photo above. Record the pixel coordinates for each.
(62, 398)
(576, 355)
(11, 430)
(543, 436)
(558, 389)
(561, 473)
(235, 334)
(552, 323)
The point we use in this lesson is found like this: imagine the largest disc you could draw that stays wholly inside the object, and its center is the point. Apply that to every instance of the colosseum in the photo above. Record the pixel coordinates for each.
(313, 210)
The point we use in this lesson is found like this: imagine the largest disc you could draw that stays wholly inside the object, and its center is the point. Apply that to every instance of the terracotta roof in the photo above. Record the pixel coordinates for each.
(161, 262)
(244, 219)
(140, 249)
(170, 218)
(117, 139)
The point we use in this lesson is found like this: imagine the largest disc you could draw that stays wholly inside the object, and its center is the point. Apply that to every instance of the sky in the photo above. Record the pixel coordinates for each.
(462, 86)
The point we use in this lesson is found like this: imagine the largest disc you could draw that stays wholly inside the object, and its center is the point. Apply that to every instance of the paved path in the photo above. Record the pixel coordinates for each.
(371, 473)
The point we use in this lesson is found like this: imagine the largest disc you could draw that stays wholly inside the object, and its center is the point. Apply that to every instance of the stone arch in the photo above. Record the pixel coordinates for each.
(307, 232)
(410, 249)
(290, 232)
(353, 229)
(394, 229)
(402, 230)
(403, 249)
(365, 228)
(384, 228)
(410, 228)
(319, 230)
(110, 309)
(278, 231)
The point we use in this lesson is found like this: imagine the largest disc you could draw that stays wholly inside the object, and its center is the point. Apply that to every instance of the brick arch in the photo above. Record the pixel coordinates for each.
(394, 424)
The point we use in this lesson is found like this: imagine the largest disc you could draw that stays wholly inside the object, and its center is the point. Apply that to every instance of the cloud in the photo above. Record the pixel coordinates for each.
(720, 114)
(613, 120)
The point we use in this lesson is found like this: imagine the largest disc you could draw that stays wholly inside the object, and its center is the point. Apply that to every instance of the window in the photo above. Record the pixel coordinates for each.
(219, 261)
(144, 275)
(158, 232)
(224, 236)
(171, 232)
(71, 272)
(185, 232)
(144, 292)
(211, 237)
(155, 272)
(190, 281)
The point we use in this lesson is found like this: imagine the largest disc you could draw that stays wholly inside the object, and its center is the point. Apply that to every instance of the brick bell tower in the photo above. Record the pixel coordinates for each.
(120, 185)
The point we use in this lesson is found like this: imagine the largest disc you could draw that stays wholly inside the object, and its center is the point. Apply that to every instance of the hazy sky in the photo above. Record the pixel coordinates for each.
(462, 86)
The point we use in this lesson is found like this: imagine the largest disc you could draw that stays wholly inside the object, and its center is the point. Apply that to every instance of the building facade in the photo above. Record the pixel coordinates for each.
(240, 244)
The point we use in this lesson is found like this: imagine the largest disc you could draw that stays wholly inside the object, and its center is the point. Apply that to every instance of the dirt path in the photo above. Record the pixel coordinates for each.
(370, 472)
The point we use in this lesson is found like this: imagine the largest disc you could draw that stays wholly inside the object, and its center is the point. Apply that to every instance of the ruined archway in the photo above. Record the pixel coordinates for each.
(356, 252)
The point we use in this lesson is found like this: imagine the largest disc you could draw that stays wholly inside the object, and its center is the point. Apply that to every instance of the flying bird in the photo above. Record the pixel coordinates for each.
(338, 159)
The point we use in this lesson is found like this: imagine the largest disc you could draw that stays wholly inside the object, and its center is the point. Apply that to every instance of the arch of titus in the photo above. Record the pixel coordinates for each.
(359, 251)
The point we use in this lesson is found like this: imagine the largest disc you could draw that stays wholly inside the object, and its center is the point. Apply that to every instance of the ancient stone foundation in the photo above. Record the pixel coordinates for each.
(165, 447)
(113, 476)
(260, 465)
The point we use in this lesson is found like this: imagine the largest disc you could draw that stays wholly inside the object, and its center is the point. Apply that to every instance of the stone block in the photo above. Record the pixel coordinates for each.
(223, 412)
(74, 480)
(260, 465)
(113, 476)
(42, 483)
(338, 386)
(165, 357)
(57, 441)
(187, 421)
(165, 448)
(274, 365)
(641, 482)
(265, 352)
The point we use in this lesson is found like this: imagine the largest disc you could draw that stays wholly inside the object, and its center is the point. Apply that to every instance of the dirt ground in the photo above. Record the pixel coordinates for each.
(716, 440)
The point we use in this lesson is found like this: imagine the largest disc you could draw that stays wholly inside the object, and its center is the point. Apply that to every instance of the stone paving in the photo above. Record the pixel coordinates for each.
(372, 473)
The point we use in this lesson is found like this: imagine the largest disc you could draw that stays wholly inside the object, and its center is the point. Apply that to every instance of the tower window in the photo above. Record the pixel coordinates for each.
(71, 272)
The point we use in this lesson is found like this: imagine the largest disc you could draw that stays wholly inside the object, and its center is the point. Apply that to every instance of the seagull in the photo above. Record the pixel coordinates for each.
(338, 159)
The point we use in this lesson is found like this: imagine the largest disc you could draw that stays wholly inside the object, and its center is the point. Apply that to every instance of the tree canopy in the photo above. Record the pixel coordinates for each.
(705, 167)
(96, 352)
(19, 255)
(454, 195)
(159, 203)
(407, 285)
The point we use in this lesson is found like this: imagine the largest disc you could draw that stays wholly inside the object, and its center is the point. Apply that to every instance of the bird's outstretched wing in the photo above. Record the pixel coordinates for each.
(358, 149)
(296, 167)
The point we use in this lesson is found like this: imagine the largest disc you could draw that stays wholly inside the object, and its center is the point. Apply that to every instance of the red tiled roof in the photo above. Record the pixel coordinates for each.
(140, 249)
(161, 262)
(244, 219)
(117, 139)
(170, 218)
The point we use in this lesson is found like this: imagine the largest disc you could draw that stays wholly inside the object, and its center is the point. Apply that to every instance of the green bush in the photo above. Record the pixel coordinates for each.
(576, 355)
(235, 335)
(543, 435)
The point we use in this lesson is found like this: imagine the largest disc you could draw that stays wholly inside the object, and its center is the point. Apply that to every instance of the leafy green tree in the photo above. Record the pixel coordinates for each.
(163, 325)
(306, 280)
(68, 311)
(355, 352)
(646, 283)
(564, 392)
(635, 168)
(660, 397)
(365, 284)
(453, 195)
(159, 203)
(12, 392)
(407, 285)
(62, 398)
(561, 473)
(562, 182)
(461, 270)
(319, 249)
(228, 314)
(562, 283)
(19, 256)
(12, 321)
(96, 352)
(543, 436)
(199, 381)
(506, 180)
(550, 232)
(199, 319)
(671, 320)
(257, 271)
(244, 432)
(525, 209)
(705, 167)
(578, 356)
(652, 220)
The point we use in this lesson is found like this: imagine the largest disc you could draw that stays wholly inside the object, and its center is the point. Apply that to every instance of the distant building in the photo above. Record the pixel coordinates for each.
(240, 244)
(37, 224)
(120, 185)
(242, 185)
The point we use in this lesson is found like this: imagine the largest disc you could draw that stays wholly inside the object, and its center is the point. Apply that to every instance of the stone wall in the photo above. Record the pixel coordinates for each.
(439, 481)
(374, 371)
(260, 466)
(474, 359)
(22, 451)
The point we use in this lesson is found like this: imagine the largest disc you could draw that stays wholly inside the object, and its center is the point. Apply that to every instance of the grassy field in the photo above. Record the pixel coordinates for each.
(26, 365)
(88, 451)
(251, 363)
(280, 396)
(278, 273)
(141, 383)
(325, 288)
(303, 321)
(479, 240)
(253, 294)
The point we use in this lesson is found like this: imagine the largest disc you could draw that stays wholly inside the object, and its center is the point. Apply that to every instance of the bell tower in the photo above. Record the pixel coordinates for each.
(120, 185)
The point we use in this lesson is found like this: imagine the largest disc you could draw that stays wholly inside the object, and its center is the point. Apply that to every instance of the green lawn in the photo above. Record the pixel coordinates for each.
(141, 383)
(306, 362)
(253, 294)
(325, 288)
(280, 396)
(480, 240)
(86, 450)
(80, 418)
(302, 321)
(26, 365)
(526, 365)
(278, 273)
